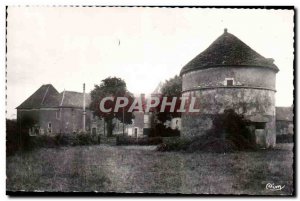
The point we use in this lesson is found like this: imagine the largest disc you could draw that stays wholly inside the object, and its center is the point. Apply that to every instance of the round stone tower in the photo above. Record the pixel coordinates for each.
(230, 75)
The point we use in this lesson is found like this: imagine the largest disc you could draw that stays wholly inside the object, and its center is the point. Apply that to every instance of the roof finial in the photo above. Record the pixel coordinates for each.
(225, 30)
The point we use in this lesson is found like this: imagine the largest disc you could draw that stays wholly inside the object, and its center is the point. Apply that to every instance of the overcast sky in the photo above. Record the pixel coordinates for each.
(70, 46)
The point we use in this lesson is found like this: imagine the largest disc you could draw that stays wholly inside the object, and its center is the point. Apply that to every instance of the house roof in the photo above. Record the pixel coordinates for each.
(284, 113)
(45, 96)
(74, 99)
(48, 97)
(228, 50)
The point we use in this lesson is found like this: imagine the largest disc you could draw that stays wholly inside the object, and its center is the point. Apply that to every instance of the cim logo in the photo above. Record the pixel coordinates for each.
(273, 187)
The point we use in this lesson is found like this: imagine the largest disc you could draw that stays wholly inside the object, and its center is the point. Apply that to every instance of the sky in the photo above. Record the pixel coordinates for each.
(68, 46)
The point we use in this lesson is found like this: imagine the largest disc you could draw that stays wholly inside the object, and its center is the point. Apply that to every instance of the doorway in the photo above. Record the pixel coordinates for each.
(135, 132)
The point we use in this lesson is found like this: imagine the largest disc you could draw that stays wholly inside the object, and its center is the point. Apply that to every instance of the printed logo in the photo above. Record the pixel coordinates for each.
(273, 187)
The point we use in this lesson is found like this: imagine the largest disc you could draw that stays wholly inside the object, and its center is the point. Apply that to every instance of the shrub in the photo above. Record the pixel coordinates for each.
(230, 129)
(17, 138)
(63, 140)
(86, 139)
(211, 144)
(176, 144)
(43, 141)
(12, 137)
(67, 139)
(124, 140)
(77, 139)
(229, 133)
(230, 125)
(162, 131)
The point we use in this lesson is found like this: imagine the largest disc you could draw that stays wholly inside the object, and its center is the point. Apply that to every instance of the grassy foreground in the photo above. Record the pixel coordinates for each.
(142, 169)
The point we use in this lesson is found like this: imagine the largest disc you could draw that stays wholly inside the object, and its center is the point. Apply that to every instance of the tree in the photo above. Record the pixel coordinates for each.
(171, 88)
(111, 87)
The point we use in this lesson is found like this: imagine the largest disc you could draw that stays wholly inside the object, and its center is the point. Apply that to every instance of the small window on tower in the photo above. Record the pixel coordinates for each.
(229, 81)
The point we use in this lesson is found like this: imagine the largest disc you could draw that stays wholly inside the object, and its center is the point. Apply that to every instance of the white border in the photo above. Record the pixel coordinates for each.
(3, 3)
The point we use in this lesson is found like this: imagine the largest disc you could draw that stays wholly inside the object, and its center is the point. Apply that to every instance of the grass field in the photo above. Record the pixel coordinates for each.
(142, 169)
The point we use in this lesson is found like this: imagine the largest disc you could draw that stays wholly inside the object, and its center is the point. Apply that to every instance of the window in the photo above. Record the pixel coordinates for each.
(146, 118)
(229, 82)
(49, 127)
(135, 132)
(260, 125)
(58, 112)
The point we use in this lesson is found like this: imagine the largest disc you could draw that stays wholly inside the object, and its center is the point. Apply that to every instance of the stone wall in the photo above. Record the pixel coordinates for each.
(243, 76)
(49, 116)
(64, 120)
(71, 120)
(251, 103)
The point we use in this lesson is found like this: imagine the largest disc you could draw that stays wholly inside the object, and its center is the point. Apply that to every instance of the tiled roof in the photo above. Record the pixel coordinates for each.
(48, 97)
(228, 50)
(74, 99)
(45, 96)
(284, 113)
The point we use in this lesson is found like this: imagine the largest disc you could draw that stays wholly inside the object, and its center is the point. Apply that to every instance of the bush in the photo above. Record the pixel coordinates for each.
(67, 139)
(230, 125)
(43, 141)
(47, 141)
(176, 144)
(124, 140)
(229, 133)
(211, 144)
(77, 139)
(63, 140)
(16, 138)
(86, 139)
(12, 137)
(160, 130)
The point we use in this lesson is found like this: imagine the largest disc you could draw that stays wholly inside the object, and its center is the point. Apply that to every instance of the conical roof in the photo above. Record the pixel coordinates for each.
(228, 50)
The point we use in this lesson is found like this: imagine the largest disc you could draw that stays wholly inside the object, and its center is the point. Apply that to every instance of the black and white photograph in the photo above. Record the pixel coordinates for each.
(150, 100)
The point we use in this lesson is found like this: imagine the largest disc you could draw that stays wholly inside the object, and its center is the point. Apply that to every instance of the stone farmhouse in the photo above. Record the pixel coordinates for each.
(284, 120)
(68, 112)
(53, 112)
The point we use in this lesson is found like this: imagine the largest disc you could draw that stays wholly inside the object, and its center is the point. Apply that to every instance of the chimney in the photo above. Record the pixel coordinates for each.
(83, 109)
